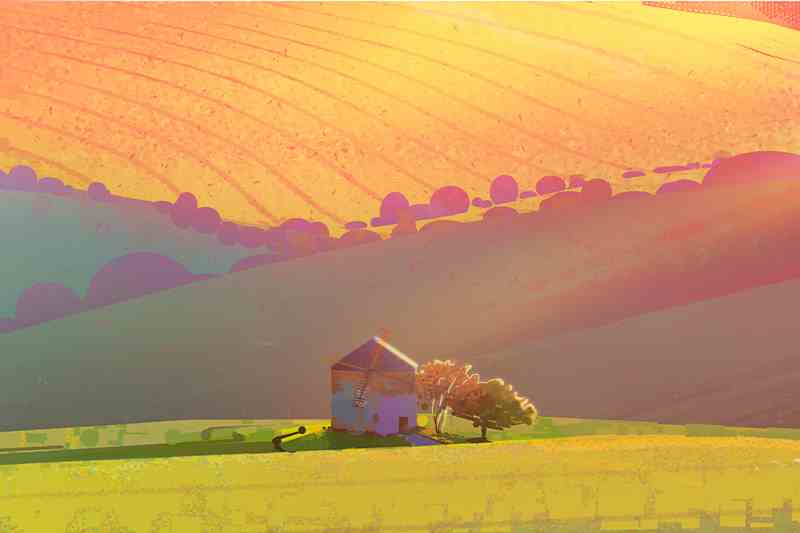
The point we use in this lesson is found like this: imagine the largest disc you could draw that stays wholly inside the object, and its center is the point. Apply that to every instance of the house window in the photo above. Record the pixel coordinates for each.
(375, 418)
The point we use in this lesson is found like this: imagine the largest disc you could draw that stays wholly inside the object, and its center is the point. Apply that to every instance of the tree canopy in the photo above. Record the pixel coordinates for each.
(446, 387)
(439, 384)
(495, 405)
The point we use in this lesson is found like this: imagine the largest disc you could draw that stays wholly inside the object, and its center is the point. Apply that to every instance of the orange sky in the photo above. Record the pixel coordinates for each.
(269, 111)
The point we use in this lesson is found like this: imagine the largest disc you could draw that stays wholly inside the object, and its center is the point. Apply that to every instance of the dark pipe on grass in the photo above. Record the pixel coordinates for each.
(276, 442)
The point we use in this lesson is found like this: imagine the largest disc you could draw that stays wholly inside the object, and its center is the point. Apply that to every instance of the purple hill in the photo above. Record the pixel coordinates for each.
(296, 224)
(628, 174)
(421, 211)
(392, 204)
(504, 189)
(550, 184)
(22, 178)
(678, 186)
(134, 275)
(319, 229)
(7, 324)
(441, 225)
(576, 181)
(596, 190)
(228, 233)
(206, 220)
(186, 202)
(449, 200)
(631, 195)
(46, 301)
(99, 192)
(163, 206)
(670, 169)
(357, 237)
(752, 167)
(499, 212)
(52, 186)
(183, 211)
(254, 261)
(563, 200)
(252, 237)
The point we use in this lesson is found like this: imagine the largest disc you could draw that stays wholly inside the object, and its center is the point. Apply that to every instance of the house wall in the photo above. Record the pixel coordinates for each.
(392, 408)
(387, 398)
(345, 415)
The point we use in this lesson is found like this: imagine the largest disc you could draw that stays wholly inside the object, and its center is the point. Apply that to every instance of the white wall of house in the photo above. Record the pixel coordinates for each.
(381, 414)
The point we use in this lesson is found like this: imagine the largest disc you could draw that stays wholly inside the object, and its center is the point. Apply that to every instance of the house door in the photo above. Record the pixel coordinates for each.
(402, 424)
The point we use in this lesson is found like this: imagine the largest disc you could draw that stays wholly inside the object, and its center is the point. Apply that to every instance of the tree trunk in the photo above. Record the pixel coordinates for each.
(437, 414)
(483, 432)
(445, 414)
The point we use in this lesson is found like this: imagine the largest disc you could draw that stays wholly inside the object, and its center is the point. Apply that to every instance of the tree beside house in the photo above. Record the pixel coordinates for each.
(448, 388)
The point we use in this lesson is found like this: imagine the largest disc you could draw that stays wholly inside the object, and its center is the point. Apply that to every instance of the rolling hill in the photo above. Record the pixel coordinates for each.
(67, 238)
(269, 111)
(258, 343)
(731, 360)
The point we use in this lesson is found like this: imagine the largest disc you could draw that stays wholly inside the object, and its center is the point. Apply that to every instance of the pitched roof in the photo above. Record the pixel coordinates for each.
(388, 357)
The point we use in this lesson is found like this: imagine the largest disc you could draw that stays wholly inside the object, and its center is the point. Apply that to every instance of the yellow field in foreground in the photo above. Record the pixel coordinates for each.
(407, 489)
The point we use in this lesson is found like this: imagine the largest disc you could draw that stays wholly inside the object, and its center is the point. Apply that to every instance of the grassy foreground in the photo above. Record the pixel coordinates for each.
(225, 437)
(609, 475)
(625, 482)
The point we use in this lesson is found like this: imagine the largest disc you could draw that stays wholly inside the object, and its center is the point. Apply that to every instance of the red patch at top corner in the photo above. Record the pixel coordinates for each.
(783, 13)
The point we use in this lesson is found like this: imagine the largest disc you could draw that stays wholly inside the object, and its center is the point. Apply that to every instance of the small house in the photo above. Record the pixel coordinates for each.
(374, 390)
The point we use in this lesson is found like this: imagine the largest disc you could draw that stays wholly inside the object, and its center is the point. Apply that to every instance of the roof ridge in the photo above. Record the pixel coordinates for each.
(386, 348)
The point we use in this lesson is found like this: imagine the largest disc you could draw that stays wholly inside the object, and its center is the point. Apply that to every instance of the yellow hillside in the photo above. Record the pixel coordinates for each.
(269, 111)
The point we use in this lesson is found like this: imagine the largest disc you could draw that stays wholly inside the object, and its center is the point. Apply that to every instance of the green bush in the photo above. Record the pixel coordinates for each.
(173, 436)
(90, 437)
(262, 434)
(36, 438)
(219, 434)
(120, 437)
(777, 433)
(707, 430)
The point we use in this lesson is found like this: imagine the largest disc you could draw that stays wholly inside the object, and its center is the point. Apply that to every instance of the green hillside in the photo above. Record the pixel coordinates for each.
(57, 239)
